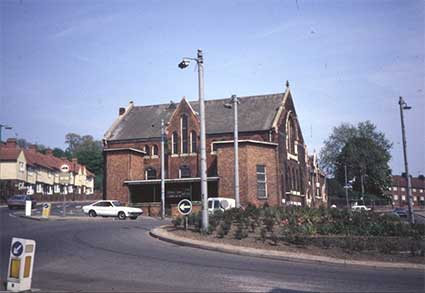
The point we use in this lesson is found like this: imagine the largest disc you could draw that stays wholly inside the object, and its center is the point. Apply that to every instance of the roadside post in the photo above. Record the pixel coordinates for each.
(21, 262)
(28, 207)
(185, 208)
(46, 210)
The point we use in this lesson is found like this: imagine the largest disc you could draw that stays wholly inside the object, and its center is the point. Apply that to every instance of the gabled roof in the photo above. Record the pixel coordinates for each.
(9, 154)
(256, 113)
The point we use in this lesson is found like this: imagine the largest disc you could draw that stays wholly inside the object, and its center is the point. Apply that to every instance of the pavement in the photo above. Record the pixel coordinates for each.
(162, 234)
(106, 255)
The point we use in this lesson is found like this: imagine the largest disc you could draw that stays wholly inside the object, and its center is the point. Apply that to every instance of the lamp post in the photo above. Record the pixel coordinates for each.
(162, 170)
(234, 104)
(5, 127)
(404, 106)
(204, 187)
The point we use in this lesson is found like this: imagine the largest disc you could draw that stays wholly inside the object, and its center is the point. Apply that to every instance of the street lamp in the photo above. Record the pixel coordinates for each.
(5, 127)
(204, 187)
(404, 106)
(234, 104)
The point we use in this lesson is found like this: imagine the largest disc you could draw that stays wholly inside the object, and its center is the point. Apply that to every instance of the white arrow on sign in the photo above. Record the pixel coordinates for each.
(183, 206)
(17, 248)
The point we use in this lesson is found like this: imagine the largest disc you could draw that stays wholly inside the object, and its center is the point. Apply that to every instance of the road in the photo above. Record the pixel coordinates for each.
(111, 255)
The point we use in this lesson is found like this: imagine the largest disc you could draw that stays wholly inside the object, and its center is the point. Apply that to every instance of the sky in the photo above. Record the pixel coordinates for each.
(67, 66)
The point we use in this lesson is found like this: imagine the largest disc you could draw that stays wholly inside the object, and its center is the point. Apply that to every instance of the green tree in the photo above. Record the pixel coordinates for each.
(89, 152)
(364, 150)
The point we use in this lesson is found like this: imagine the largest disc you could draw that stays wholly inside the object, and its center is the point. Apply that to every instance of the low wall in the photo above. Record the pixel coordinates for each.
(153, 209)
(60, 197)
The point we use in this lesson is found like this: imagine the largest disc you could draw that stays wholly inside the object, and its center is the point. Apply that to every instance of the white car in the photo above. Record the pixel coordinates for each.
(111, 208)
(357, 207)
(220, 203)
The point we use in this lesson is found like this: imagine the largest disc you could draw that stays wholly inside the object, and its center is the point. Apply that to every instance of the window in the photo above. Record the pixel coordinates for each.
(184, 135)
(175, 143)
(261, 181)
(185, 171)
(415, 198)
(150, 173)
(193, 139)
(403, 197)
(421, 190)
(147, 150)
(422, 198)
(155, 150)
(403, 189)
(414, 189)
(394, 188)
(291, 136)
(395, 197)
(21, 166)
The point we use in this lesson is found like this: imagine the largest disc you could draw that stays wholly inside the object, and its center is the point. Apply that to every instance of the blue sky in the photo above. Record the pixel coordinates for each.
(67, 66)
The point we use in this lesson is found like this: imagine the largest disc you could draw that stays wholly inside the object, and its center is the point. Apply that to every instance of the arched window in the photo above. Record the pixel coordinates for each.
(292, 136)
(150, 173)
(147, 150)
(185, 171)
(185, 135)
(175, 142)
(193, 139)
(155, 150)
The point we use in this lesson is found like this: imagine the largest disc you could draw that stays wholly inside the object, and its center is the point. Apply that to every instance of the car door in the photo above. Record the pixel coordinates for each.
(101, 208)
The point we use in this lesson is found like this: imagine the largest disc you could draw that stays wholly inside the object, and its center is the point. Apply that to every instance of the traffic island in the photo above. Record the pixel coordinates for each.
(194, 239)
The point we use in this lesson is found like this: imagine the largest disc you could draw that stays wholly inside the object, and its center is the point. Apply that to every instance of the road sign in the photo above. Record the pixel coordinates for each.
(185, 207)
(17, 248)
(21, 263)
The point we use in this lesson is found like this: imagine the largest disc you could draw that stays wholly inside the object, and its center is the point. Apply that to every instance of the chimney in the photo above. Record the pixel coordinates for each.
(11, 143)
(49, 152)
(32, 148)
(121, 111)
(75, 160)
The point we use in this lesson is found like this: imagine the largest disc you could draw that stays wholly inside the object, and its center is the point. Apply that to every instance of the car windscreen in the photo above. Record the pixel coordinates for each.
(18, 197)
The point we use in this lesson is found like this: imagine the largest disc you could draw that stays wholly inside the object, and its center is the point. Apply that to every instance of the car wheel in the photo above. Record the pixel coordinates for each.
(133, 218)
(92, 213)
(121, 216)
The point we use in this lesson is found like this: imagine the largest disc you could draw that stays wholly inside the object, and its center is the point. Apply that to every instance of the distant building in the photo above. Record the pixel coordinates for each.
(27, 171)
(398, 191)
(316, 187)
(273, 161)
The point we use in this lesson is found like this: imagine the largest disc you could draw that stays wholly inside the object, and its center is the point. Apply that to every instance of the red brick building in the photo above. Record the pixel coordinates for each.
(273, 160)
(399, 191)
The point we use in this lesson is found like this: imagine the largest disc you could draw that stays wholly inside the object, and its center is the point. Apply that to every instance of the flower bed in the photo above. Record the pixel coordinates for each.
(324, 228)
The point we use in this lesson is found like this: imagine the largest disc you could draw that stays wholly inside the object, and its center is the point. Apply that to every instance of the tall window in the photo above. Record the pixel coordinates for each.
(193, 142)
(147, 150)
(150, 173)
(261, 181)
(175, 142)
(185, 171)
(154, 150)
(185, 135)
(292, 136)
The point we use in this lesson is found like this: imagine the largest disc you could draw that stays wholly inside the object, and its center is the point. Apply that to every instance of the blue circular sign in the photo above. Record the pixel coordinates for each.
(184, 207)
(17, 248)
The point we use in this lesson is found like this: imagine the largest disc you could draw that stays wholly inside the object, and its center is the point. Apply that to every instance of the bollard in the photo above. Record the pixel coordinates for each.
(21, 263)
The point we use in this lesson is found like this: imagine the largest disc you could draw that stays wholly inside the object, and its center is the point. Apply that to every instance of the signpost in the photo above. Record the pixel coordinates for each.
(185, 208)
(46, 210)
(21, 263)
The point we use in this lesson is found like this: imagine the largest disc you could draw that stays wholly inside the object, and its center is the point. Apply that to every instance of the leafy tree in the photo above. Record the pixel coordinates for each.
(59, 153)
(23, 143)
(364, 150)
(89, 152)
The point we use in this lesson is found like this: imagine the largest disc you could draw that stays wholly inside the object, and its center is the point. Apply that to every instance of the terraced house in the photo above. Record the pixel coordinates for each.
(31, 172)
(274, 166)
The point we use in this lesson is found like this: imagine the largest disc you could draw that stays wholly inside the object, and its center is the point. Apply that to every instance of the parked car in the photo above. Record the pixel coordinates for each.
(400, 212)
(18, 201)
(111, 208)
(357, 207)
(220, 203)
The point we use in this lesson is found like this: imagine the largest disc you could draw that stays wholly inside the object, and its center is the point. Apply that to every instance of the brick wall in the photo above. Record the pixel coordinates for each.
(250, 155)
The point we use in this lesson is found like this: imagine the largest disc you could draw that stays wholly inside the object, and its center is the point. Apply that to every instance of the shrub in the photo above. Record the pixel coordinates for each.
(177, 222)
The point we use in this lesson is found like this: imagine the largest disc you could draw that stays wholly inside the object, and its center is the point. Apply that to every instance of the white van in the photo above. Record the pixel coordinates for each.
(220, 203)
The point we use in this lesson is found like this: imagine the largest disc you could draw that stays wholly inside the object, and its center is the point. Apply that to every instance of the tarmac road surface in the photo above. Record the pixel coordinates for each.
(105, 254)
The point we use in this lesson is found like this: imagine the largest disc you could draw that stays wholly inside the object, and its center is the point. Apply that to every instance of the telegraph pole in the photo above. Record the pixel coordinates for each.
(346, 187)
(404, 106)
